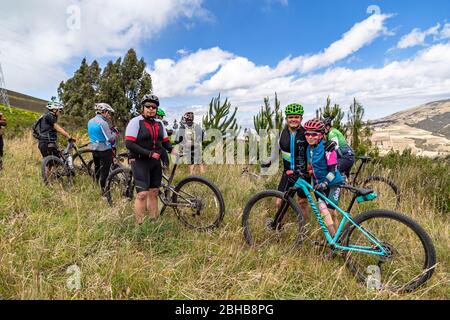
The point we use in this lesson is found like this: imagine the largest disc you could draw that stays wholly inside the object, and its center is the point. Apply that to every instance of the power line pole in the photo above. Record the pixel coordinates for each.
(3, 93)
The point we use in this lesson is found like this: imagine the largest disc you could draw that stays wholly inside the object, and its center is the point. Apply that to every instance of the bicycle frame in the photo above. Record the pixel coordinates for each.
(169, 191)
(333, 241)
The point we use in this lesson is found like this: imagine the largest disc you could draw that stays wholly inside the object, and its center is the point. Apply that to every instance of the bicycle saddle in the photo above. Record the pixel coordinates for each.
(363, 192)
(365, 159)
(358, 191)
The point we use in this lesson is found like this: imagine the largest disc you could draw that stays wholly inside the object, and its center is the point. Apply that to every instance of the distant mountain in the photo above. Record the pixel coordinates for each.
(26, 102)
(424, 129)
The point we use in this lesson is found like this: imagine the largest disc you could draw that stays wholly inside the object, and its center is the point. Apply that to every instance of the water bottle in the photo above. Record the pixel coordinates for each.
(70, 161)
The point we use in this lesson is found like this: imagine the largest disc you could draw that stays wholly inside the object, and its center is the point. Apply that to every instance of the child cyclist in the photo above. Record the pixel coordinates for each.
(322, 165)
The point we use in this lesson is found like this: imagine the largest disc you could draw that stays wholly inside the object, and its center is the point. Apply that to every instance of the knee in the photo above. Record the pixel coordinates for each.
(302, 201)
(141, 196)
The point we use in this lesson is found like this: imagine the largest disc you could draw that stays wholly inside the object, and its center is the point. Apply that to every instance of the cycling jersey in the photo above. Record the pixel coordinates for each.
(100, 134)
(293, 149)
(47, 130)
(336, 136)
(144, 137)
(322, 163)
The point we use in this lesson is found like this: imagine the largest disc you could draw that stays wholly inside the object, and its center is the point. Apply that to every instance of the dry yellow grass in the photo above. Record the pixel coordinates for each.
(44, 231)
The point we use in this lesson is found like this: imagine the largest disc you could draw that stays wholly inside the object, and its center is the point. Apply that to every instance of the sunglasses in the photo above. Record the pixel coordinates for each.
(151, 107)
(312, 134)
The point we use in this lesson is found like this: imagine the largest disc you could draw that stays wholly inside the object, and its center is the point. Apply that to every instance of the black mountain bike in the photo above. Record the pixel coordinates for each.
(61, 169)
(197, 202)
(387, 191)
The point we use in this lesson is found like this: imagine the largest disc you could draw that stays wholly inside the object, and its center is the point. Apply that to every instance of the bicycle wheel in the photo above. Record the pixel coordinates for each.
(259, 214)
(387, 191)
(119, 186)
(198, 203)
(53, 171)
(83, 161)
(411, 255)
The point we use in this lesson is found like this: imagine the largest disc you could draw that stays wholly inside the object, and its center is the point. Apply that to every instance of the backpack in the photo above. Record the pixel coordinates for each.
(37, 128)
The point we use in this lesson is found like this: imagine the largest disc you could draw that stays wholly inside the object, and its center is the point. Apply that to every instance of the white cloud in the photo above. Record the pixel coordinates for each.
(445, 33)
(383, 90)
(360, 35)
(417, 37)
(192, 73)
(282, 2)
(172, 78)
(35, 41)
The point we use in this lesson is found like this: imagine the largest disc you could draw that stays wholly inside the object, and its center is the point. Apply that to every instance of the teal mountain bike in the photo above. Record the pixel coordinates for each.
(384, 242)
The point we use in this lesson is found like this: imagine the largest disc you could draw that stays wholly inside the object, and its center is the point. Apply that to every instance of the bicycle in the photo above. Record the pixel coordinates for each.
(187, 198)
(388, 192)
(385, 240)
(118, 159)
(82, 159)
(62, 168)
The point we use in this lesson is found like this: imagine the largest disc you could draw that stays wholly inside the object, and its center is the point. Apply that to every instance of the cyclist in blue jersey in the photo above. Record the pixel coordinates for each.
(322, 165)
(102, 139)
(292, 145)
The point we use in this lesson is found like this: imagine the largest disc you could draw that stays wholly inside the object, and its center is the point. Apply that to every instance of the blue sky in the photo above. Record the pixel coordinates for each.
(245, 50)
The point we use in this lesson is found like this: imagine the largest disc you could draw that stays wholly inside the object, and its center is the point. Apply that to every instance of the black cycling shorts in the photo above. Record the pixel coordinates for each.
(48, 148)
(346, 159)
(285, 184)
(333, 193)
(147, 174)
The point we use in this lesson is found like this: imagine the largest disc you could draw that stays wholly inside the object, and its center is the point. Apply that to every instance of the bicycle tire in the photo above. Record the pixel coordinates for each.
(53, 159)
(249, 238)
(218, 217)
(126, 181)
(389, 183)
(429, 262)
(82, 167)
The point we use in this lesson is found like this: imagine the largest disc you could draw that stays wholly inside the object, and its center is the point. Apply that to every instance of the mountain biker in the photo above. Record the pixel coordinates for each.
(160, 114)
(346, 155)
(190, 135)
(322, 165)
(145, 137)
(48, 129)
(2, 125)
(292, 145)
(102, 138)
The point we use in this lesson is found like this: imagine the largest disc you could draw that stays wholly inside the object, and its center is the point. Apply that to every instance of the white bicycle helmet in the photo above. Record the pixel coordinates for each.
(102, 107)
(54, 105)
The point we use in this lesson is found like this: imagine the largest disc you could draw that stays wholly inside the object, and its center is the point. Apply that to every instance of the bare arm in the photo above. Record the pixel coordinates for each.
(60, 130)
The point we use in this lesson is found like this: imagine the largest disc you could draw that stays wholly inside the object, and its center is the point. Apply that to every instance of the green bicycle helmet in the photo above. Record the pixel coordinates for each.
(161, 112)
(294, 108)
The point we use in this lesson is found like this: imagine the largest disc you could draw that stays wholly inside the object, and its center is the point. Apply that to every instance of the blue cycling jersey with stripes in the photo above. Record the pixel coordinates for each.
(100, 134)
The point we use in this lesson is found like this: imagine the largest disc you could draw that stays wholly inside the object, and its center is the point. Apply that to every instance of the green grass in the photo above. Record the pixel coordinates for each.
(44, 230)
(19, 120)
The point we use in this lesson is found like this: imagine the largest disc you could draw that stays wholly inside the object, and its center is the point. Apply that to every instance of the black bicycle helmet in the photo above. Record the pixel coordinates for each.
(150, 98)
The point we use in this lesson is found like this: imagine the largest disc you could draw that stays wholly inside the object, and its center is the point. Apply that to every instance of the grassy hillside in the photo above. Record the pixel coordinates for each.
(44, 231)
(18, 120)
(26, 102)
